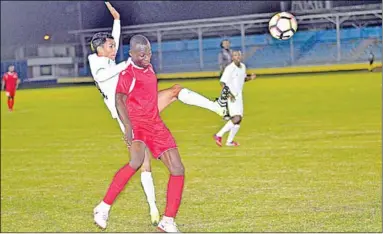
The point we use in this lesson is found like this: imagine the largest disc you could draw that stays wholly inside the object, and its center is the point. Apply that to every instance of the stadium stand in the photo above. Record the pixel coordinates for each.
(316, 43)
(311, 47)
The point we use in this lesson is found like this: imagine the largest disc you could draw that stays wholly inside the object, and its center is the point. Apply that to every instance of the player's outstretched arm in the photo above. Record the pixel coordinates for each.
(103, 74)
(113, 11)
(123, 115)
(116, 32)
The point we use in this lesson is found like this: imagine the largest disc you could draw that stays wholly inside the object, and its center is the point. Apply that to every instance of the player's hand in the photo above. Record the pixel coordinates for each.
(112, 11)
(253, 76)
(232, 98)
(128, 136)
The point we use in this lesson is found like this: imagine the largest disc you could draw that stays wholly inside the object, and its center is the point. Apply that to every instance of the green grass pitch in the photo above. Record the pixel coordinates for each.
(309, 161)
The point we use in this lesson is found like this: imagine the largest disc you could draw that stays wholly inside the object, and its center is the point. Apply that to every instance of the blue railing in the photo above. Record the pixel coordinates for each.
(309, 47)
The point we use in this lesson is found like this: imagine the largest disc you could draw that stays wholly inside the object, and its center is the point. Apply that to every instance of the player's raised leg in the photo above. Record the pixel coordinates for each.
(120, 179)
(172, 161)
(148, 186)
(222, 101)
(167, 97)
(188, 97)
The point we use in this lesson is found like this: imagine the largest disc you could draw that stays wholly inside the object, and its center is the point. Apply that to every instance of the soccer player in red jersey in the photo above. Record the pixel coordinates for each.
(137, 107)
(106, 72)
(11, 82)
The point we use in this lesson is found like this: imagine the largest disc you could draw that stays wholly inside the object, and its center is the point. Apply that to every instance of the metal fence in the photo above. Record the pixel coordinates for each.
(342, 36)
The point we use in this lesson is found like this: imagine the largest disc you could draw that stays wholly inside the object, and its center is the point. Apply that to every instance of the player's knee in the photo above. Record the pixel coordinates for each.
(236, 119)
(176, 89)
(136, 162)
(146, 166)
(137, 155)
(177, 169)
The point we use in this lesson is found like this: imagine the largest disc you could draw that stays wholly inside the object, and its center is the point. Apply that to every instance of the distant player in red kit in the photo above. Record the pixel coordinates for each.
(11, 82)
(137, 106)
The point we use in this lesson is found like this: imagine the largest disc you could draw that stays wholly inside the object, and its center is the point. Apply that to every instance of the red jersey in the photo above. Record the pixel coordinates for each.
(10, 79)
(140, 86)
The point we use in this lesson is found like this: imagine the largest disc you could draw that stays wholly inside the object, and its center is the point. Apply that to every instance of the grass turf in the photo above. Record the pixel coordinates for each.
(309, 161)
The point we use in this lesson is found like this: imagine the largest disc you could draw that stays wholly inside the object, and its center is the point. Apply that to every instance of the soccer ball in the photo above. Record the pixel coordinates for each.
(283, 25)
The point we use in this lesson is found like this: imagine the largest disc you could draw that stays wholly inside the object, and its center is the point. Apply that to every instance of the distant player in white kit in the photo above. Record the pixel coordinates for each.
(106, 73)
(232, 81)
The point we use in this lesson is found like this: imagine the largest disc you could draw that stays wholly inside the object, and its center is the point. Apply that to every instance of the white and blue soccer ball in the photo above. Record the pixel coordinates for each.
(283, 26)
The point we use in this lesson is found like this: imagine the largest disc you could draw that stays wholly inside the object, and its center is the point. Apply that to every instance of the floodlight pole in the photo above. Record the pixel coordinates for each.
(243, 42)
(338, 38)
(292, 50)
(83, 50)
(283, 6)
(200, 48)
(82, 37)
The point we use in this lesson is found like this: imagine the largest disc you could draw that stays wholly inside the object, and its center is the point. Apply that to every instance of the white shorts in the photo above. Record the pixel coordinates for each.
(236, 107)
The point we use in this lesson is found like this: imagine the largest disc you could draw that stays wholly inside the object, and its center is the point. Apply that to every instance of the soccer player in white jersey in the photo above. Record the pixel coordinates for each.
(232, 81)
(106, 73)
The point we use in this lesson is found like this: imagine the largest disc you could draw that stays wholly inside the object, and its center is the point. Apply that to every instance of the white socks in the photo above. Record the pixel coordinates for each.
(168, 219)
(192, 98)
(225, 128)
(103, 206)
(229, 126)
(232, 133)
(148, 185)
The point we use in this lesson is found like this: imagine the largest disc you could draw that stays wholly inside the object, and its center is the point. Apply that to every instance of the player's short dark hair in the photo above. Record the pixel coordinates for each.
(222, 42)
(138, 40)
(99, 39)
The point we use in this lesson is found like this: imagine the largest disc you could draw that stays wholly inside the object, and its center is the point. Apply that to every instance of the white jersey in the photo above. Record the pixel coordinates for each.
(105, 72)
(234, 77)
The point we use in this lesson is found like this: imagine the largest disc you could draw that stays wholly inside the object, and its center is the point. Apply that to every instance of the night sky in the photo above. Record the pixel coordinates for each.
(27, 22)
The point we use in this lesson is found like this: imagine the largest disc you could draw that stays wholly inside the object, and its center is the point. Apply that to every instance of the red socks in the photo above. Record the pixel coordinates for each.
(119, 181)
(11, 101)
(174, 195)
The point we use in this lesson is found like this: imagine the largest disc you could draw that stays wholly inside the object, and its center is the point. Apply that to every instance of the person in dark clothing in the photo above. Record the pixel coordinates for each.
(371, 58)
(224, 56)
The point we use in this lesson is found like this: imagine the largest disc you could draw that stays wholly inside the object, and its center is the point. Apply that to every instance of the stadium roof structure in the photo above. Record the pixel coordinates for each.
(357, 16)
(350, 16)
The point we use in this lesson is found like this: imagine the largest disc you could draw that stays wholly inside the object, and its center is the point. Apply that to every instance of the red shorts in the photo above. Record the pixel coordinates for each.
(156, 137)
(10, 92)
